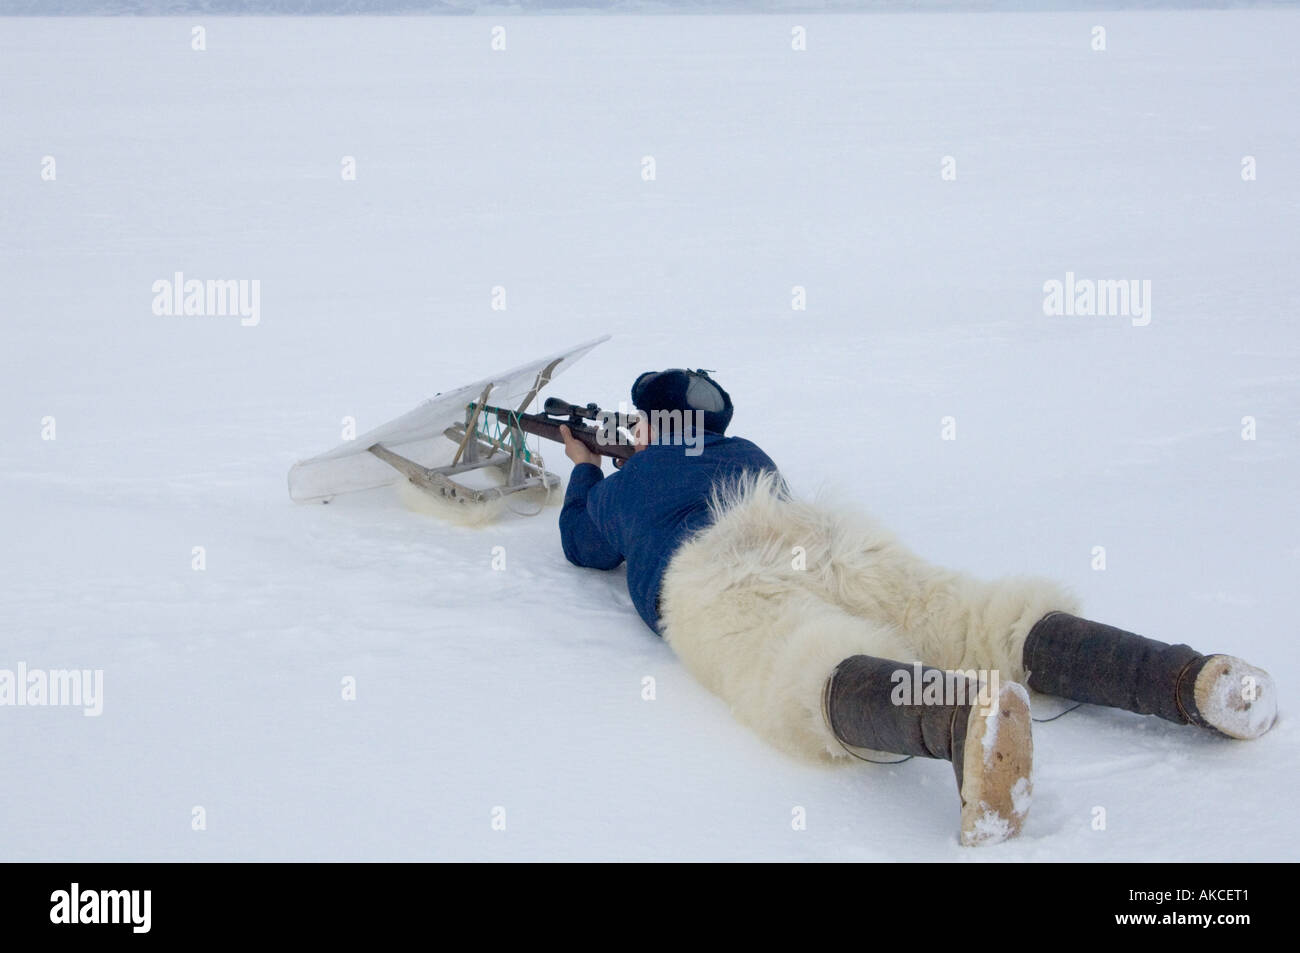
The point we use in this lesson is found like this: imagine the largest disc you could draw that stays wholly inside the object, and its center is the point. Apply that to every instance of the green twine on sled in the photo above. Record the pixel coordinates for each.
(502, 433)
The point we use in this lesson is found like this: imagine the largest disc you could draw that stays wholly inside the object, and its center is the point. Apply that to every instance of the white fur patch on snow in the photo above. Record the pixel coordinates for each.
(461, 514)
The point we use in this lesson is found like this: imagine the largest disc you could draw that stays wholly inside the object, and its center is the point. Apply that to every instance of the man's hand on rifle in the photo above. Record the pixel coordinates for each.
(575, 449)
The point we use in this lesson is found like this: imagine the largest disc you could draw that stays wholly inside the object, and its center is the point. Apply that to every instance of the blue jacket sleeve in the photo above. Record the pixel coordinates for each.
(583, 542)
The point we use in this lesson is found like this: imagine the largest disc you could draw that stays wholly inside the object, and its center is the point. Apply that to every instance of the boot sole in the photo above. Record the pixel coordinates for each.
(1236, 698)
(997, 769)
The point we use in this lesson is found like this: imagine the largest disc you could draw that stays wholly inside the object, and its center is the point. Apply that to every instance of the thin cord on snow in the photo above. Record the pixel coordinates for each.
(549, 489)
(540, 507)
(1062, 714)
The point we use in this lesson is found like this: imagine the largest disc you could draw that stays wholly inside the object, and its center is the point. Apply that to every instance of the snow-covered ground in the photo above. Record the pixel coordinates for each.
(521, 688)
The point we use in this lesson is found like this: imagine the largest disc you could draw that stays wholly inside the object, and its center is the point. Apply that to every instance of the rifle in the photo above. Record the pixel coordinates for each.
(606, 439)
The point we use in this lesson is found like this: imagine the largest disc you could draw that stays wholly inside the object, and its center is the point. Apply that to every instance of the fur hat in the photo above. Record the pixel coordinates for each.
(684, 390)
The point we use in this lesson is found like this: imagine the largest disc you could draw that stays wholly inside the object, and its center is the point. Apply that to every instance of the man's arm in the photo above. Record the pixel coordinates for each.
(584, 544)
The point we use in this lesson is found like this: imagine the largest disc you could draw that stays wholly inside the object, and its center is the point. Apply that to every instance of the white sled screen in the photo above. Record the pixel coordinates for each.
(418, 434)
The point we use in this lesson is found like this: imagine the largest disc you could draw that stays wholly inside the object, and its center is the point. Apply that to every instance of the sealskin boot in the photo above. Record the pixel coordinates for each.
(1102, 665)
(991, 749)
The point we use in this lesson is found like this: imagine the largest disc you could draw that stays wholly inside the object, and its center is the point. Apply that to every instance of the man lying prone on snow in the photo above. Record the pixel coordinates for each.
(812, 652)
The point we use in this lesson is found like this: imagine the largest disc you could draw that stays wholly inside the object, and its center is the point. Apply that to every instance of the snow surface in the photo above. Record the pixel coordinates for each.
(522, 688)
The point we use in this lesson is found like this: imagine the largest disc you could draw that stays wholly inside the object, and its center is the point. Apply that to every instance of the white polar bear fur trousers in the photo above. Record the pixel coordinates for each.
(765, 635)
